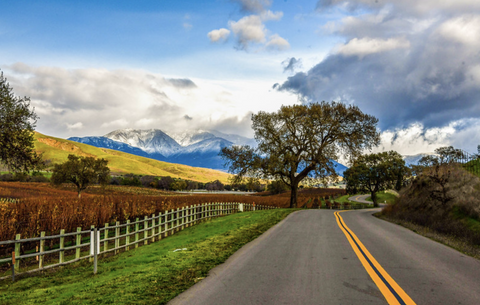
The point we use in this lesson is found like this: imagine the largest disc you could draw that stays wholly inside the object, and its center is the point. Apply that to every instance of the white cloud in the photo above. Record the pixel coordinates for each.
(218, 35)
(251, 30)
(416, 138)
(463, 29)
(116, 124)
(365, 46)
(93, 102)
(255, 6)
(269, 15)
(77, 125)
(423, 7)
(248, 29)
(277, 43)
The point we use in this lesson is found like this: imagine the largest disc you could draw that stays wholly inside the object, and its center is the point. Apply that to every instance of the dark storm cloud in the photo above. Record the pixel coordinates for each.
(291, 64)
(402, 68)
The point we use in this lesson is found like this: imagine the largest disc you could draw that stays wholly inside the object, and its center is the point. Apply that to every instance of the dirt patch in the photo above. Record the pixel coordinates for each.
(65, 146)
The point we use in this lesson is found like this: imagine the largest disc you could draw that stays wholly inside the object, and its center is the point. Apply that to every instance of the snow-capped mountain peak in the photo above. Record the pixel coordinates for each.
(149, 140)
(189, 137)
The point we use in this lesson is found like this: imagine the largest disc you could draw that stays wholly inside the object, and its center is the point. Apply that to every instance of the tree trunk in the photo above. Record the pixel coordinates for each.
(79, 193)
(374, 198)
(293, 196)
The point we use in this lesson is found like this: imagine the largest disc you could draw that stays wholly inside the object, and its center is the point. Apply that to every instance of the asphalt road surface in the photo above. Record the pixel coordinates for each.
(317, 257)
(360, 198)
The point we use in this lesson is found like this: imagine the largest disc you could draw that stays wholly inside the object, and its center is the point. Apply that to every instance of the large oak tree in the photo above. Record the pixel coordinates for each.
(17, 123)
(302, 140)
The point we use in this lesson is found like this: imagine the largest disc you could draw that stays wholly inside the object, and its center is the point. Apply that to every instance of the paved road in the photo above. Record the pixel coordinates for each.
(307, 259)
(360, 198)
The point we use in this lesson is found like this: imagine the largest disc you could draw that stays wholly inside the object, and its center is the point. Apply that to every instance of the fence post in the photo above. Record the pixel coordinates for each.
(145, 230)
(195, 210)
(99, 250)
(160, 225)
(92, 240)
(182, 214)
(42, 248)
(190, 216)
(105, 243)
(77, 243)
(178, 221)
(17, 253)
(136, 231)
(127, 235)
(153, 228)
(95, 250)
(62, 246)
(165, 224)
(117, 237)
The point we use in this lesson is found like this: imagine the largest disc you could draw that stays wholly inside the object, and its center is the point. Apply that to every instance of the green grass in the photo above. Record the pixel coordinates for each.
(152, 274)
(57, 150)
(473, 167)
(383, 197)
(344, 199)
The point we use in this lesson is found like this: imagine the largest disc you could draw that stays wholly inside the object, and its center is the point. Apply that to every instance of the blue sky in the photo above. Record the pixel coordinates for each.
(91, 67)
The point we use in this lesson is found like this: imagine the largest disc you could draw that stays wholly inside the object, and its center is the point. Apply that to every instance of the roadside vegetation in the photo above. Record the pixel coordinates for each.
(151, 274)
(373, 173)
(384, 197)
(443, 201)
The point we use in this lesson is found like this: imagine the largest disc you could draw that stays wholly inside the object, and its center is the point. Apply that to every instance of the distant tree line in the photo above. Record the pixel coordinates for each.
(177, 184)
(163, 183)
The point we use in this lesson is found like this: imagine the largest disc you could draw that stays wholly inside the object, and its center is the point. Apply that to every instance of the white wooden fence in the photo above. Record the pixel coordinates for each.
(96, 241)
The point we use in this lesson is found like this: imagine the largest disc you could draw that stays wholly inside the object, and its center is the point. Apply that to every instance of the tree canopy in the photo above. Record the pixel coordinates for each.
(17, 124)
(436, 169)
(302, 140)
(376, 172)
(81, 171)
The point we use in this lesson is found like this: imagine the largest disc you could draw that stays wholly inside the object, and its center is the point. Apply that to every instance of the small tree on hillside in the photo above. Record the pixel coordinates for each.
(437, 170)
(376, 172)
(302, 140)
(17, 123)
(81, 171)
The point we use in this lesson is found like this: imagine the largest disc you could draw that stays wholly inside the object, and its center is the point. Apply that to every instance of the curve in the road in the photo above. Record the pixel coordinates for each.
(360, 199)
(392, 292)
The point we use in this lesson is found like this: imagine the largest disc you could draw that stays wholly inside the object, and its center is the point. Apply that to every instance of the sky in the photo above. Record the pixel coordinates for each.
(91, 67)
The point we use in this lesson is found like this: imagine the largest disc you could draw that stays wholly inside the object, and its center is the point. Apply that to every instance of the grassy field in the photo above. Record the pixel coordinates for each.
(152, 274)
(57, 150)
(383, 197)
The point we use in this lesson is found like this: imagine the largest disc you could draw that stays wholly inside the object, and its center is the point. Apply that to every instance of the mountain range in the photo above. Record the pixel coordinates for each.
(199, 148)
(413, 159)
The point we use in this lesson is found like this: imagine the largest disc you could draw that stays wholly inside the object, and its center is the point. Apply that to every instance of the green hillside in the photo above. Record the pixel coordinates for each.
(57, 151)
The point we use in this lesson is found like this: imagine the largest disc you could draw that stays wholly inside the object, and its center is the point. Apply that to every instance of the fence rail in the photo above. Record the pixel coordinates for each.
(88, 244)
(471, 162)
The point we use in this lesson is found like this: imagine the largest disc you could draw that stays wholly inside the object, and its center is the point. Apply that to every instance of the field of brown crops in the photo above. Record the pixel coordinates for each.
(35, 207)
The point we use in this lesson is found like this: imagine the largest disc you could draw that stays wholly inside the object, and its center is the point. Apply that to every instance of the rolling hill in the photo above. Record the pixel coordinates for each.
(57, 150)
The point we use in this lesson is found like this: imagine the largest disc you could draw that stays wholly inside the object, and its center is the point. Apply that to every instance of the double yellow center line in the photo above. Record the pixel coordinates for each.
(393, 293)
